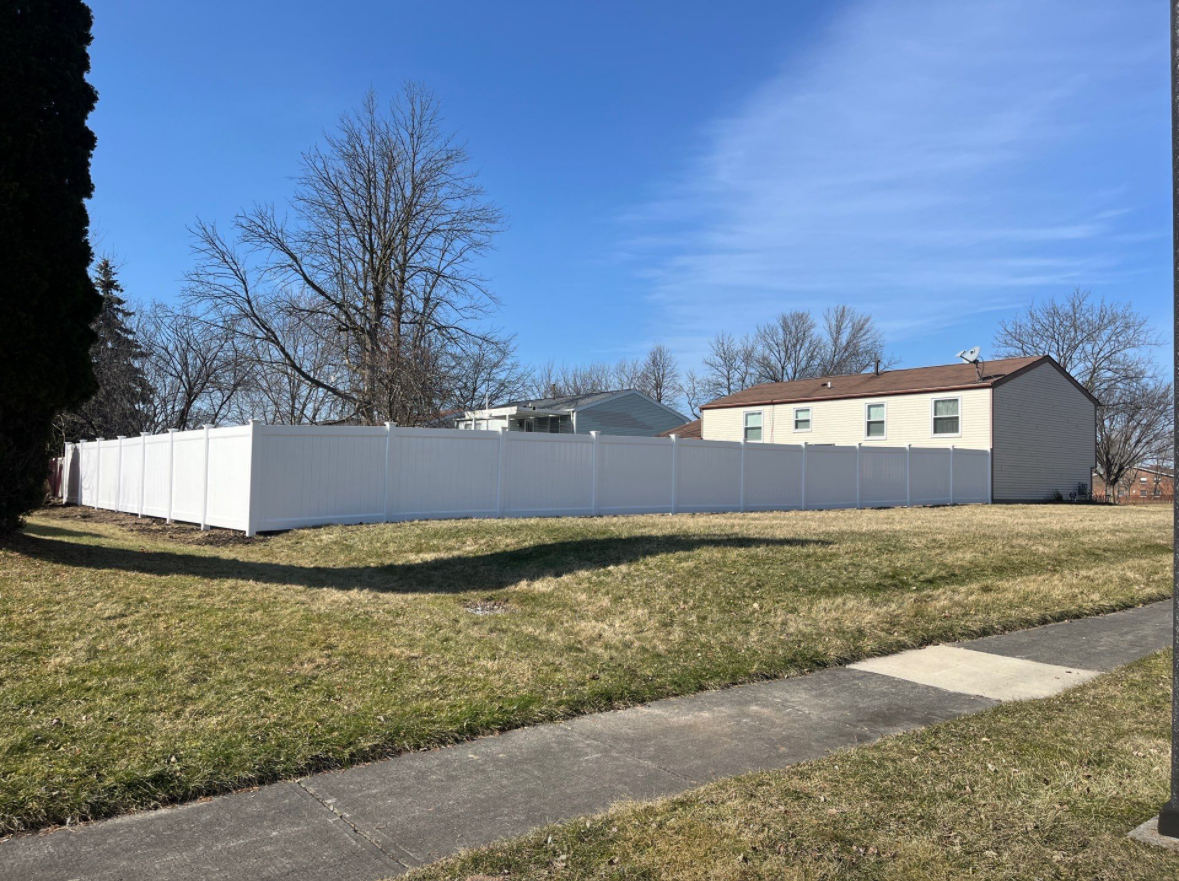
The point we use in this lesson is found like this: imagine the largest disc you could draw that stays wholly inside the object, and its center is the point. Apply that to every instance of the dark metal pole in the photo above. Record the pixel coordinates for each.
(1169, 814)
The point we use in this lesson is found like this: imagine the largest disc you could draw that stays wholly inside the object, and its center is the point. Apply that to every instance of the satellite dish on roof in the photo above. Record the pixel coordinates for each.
(970, 356)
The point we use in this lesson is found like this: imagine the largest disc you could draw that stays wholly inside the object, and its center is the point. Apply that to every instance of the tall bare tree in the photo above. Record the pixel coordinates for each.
(196, 369)
(487, 373)
(1137, 432)
(377, 260)
(659, 376)
(730, 365)
(1106, 347)
(787, 348)
(850, 343)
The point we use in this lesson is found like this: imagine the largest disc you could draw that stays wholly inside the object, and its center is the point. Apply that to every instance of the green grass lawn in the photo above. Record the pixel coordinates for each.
(1036, 790)
(142, 665)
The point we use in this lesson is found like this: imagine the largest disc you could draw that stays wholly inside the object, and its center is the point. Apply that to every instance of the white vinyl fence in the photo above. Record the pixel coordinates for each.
(259, 478)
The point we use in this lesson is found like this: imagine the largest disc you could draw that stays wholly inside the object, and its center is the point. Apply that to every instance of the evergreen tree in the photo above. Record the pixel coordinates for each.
(118, 407)
(47, 301)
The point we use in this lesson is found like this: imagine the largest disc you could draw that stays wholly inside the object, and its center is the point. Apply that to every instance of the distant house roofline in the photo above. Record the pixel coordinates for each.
(907, 381)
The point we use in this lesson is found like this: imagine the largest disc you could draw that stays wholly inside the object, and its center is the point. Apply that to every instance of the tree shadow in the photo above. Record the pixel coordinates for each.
(491, 571)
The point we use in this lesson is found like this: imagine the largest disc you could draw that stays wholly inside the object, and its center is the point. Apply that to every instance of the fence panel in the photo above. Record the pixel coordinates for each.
(157, 474)
(708, 475)
(440, 472)
(310, 475)
(930, 475)
(883, 477)
(108, 474)
(634, 475)
(548, 474)
(88, 474)
(773, 477)
(188, 476)
(228, 492)
(830, 477)
(130, 474)
(972, 476)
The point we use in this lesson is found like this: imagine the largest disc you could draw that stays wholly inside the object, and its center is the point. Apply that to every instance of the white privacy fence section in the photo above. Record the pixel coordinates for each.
(261, 478)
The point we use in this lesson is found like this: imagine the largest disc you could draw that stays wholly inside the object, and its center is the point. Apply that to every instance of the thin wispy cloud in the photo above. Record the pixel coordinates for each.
(921, 160)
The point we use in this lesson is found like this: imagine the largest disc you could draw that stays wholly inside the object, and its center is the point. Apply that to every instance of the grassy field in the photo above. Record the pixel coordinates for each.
(1045, 789)
(142, 665)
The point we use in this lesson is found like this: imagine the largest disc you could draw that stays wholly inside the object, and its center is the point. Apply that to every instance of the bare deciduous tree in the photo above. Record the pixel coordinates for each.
(487, 373)
(787, 348)
(195, 369)
(1135, 433)
(1105, 346)
(378, 263)
(850, 343)
(659, 375)
(730, 365)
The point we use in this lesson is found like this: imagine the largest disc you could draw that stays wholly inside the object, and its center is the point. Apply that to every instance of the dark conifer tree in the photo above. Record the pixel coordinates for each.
(118, 407)
(47, 301)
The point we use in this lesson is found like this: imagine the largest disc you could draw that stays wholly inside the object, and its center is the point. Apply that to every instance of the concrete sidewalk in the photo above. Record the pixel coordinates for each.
(378, 820)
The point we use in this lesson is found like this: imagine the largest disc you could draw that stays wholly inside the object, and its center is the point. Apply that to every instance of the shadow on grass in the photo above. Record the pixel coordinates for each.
(491, 571)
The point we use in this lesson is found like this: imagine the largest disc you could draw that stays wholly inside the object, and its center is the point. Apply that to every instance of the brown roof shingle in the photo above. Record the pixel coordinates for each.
(944, 377)
(688, 429)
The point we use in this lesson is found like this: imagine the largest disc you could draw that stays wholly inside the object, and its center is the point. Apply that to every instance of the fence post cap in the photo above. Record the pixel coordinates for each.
(120, 437)
(173, 430)
(255, 421)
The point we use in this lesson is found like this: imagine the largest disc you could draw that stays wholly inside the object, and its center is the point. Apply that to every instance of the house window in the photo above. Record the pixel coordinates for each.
(753, 426)
(802, 418)
(947, 417)
(554, 425)
(874, 421)
(1143, 479)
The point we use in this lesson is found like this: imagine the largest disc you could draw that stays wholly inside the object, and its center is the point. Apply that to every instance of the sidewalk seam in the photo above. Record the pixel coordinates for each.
(360, 833)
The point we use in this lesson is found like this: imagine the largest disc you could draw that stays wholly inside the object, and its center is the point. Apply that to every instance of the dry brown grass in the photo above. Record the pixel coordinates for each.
(138, 669)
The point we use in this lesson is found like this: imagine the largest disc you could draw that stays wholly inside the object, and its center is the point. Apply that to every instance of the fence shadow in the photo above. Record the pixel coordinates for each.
(491, 571)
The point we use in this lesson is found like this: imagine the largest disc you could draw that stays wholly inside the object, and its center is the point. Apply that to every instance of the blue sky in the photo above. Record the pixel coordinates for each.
(673, 169)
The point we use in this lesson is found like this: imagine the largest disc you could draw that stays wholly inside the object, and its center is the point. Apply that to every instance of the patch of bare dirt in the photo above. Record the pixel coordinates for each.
(487, 607)
(182, 533)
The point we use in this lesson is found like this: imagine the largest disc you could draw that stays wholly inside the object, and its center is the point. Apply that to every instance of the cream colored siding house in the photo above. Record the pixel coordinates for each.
(1037, 421)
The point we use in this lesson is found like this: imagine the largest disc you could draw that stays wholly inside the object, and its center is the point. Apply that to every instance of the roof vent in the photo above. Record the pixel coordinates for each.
(827, 383)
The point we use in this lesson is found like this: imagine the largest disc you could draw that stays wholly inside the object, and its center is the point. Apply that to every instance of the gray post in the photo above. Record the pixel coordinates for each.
(205, 491)
(674, 473)
(171, 468)
(1169, 813)
(142, 469)
(119, 476)
(98, 474)
(594, 474)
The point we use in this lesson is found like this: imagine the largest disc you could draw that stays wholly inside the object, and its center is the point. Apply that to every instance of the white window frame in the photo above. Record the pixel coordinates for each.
(933, 418)
(745, 414)
(874, 437)
(810, 419)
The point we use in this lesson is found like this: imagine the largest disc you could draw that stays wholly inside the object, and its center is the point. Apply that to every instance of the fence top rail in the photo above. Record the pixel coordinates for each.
(545, 437)
(633, 440)
(319, 430)
(445, 432)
